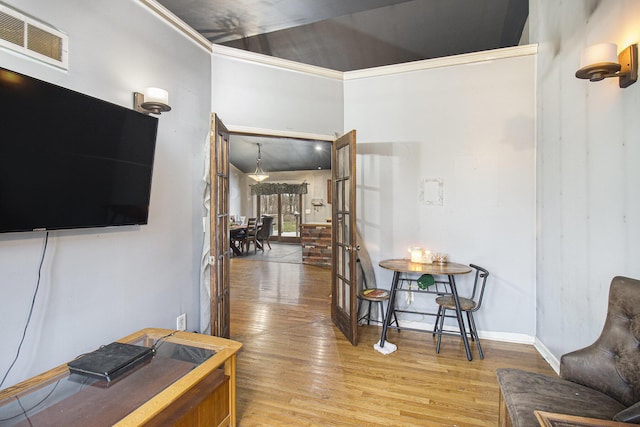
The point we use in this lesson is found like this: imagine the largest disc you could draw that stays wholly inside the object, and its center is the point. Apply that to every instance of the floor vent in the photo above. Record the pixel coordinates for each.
(23, 34)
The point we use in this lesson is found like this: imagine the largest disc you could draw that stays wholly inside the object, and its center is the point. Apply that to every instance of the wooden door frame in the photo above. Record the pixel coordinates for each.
(242, 130)
(250, 131)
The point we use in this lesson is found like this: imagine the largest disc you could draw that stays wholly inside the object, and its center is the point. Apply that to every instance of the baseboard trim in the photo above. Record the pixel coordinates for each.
(547, 355)
(498, 336)
(487, 335)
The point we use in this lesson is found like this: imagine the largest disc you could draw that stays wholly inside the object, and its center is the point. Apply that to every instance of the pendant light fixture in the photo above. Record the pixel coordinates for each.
(259, 175)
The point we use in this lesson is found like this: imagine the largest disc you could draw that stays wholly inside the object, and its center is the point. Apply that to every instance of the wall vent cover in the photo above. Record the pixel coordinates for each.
(23, 34)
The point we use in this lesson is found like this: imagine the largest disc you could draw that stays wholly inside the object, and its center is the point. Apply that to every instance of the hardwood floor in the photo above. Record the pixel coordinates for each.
(296, 368)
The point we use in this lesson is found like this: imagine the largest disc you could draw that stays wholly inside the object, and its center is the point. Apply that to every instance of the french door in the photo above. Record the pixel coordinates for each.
(219, 226)
(344, 254)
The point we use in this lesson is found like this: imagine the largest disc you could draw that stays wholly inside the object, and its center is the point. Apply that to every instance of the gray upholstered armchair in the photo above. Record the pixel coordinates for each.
(600, 381)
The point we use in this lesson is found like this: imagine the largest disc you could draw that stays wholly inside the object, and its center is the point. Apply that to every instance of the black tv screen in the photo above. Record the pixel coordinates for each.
(68, 160)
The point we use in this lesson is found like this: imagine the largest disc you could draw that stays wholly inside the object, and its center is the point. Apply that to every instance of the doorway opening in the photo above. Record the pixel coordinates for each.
(343, 244)
(292, 159)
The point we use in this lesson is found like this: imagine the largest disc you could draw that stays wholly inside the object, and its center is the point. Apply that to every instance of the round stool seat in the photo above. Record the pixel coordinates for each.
(447, 301)
(374, 294)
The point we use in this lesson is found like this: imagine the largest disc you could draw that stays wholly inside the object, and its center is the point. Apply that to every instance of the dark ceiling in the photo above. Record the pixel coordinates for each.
(346, 35)
(279, 154)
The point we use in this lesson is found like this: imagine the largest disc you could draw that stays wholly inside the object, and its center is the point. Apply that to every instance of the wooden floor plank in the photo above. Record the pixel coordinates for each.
(296, 368)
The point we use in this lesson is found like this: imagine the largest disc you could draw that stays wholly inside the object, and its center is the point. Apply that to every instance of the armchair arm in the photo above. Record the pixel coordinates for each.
(591, 366)
(604, 368)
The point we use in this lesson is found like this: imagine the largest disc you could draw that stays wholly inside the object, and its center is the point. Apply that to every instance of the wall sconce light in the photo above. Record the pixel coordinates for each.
(317, 204)
(600, 61)
(152, 100)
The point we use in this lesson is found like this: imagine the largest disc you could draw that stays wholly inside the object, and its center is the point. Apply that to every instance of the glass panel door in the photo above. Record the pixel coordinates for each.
(219, 225)
(343, 282)
(286, 212)
(269, 206)
(290, 215)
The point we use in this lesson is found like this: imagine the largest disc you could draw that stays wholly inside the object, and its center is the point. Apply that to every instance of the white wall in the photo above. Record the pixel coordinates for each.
(237, 197)
(317, 189)
(262, 96)
(101, 284)
(588, 152)
(471, 126)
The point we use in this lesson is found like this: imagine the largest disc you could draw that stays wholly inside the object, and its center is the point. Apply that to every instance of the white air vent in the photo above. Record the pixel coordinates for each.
(23, 34)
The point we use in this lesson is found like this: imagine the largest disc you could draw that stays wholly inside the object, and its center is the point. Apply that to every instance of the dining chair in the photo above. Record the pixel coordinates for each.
(468, 305)
(264, 233)
(372, 295)
(251, 235)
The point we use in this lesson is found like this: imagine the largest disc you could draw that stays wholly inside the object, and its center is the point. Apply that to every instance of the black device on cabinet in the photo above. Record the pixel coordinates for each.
(68, 160)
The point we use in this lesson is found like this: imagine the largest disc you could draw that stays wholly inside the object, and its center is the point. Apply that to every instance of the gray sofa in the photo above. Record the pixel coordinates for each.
(600, 381)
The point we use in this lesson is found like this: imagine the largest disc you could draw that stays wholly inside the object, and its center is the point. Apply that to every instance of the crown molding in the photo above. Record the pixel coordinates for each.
(447, 61)
(244, 55)
(231, 52)
(168, 16)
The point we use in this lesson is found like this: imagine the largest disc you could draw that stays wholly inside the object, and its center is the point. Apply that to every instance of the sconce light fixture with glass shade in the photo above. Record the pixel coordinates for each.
(259, 175)
(601, 61)
(317, 204)
(152, 100)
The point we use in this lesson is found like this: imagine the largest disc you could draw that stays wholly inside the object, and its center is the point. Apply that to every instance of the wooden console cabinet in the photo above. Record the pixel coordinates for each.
(167, 391)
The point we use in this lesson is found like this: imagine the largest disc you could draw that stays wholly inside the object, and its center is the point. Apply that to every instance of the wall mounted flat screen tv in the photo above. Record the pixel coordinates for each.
(68, 160)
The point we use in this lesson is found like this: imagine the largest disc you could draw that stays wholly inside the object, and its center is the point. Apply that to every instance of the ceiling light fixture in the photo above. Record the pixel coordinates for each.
(259, 175)
(600, 61)
(152, 100)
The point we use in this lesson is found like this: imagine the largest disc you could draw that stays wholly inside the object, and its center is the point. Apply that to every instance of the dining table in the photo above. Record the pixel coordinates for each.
(404, 268)
(236, 229)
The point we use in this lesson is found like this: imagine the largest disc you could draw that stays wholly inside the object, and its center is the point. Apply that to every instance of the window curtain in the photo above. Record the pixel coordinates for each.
(205, 264)
(268, 188)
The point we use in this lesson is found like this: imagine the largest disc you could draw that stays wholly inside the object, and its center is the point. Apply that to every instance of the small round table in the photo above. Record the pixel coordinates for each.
(449, 269)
